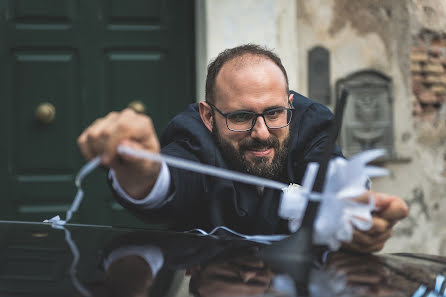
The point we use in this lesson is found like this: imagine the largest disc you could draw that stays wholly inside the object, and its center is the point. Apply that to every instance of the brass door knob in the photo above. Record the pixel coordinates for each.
(138, 106)
(45, 113)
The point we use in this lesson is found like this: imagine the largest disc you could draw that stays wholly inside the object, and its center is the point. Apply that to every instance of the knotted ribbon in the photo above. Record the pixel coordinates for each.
(338, 213)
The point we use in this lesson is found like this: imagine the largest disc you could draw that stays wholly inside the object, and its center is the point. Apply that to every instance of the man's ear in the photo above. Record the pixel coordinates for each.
(206, 114)
(290, 98)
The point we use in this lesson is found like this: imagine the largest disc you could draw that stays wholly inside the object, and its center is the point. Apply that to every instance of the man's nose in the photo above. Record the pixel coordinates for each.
(260, 130)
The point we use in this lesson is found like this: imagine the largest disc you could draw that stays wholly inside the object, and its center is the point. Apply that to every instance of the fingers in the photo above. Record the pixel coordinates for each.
(364, 239)
(389, 207)
(359, 247)
(98, 134)
(372, 240)
(137, 129)
(379, 226)
(382, 200)
(85, 149)
(364, 197)
(396, 208)
(84, 140)
(104, 135)
(92, 140)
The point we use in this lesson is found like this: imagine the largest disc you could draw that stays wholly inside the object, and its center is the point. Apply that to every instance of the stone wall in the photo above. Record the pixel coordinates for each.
(428, 68)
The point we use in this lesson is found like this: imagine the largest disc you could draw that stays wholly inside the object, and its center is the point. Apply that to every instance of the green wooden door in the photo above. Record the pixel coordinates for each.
(85, 58)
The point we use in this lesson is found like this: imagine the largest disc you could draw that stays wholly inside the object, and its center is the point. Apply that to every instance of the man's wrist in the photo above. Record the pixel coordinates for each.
(155, 198)
(137, 186)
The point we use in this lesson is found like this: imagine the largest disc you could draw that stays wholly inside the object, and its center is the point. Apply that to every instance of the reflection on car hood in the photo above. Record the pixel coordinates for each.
(79, 260)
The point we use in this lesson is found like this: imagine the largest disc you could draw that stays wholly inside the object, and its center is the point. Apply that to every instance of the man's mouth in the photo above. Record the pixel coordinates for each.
(261, 152)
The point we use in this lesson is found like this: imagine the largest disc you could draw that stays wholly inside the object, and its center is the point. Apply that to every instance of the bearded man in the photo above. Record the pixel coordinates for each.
(250, 122)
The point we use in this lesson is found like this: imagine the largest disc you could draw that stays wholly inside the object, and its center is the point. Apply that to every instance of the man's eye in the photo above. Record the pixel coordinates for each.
(274, 113)
(240, 117)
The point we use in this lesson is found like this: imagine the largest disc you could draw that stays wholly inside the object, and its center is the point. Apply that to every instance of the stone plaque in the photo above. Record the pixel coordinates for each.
(319, 75)
(368, 118)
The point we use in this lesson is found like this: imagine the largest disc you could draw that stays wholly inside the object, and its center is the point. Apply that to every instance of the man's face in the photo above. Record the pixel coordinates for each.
(240, 275)
(255, 85)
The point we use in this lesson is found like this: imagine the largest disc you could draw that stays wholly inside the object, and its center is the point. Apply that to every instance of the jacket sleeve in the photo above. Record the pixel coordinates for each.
(186, 202)
(309, 138)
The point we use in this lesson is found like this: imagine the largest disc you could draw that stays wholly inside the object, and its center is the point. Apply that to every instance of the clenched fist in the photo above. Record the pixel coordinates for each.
(128, 128)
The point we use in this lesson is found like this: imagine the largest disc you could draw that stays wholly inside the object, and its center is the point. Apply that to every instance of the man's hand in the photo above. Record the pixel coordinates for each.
(389, 210)
(104, 135)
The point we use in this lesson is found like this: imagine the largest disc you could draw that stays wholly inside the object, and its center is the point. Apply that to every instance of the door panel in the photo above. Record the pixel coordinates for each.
(133, 76)
(48, 10)
(138, 10)
(58, 85)
(85, 58)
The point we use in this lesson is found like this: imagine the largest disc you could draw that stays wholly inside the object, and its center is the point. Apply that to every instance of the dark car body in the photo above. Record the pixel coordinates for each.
(42, 259)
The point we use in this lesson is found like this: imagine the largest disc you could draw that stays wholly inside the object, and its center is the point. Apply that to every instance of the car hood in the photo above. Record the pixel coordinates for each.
(40, 259)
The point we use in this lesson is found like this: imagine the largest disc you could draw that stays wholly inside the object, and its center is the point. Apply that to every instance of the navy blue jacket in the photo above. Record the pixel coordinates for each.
(206, 202)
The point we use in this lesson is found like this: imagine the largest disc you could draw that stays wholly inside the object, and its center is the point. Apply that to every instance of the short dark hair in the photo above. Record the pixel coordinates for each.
(236, 52)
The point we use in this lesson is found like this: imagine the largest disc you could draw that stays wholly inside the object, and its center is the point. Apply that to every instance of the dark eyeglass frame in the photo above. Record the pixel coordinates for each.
(256, 115)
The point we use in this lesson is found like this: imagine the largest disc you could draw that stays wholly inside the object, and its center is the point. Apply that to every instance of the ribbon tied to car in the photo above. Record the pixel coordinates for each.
(83, 172)
(338, 213)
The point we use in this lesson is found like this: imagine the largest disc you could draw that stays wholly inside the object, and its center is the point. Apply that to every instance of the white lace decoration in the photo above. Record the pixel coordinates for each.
(338, 213)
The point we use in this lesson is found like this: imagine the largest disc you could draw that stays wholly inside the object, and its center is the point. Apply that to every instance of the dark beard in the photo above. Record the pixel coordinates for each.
(235, 159)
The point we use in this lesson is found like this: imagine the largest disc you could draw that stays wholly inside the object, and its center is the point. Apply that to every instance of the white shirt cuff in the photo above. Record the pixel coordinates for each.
(156, 198)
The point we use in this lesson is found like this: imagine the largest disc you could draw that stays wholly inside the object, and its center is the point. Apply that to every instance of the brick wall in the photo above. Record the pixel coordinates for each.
(428, 67)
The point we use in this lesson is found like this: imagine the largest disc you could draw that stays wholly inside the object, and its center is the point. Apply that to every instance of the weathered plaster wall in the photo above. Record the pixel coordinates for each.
(227, 23)
(361, 35)
(424, 176)
(379, 35)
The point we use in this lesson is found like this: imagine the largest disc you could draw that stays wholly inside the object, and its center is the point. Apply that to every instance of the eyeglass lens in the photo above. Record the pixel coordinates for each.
(243, 120)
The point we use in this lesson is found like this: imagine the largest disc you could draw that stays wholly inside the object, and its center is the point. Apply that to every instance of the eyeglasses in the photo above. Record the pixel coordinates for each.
(242, 121)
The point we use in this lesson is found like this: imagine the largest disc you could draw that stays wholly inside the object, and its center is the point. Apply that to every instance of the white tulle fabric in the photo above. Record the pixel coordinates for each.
(338, 212)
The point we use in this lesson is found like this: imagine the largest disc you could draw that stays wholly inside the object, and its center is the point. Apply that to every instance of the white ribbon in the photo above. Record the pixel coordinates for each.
(338, 213)
(201, 168)
(83, 172)
(266, 239)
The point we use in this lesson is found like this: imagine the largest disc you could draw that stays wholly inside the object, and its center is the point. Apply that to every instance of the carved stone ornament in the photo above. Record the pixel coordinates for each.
(368, 120)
